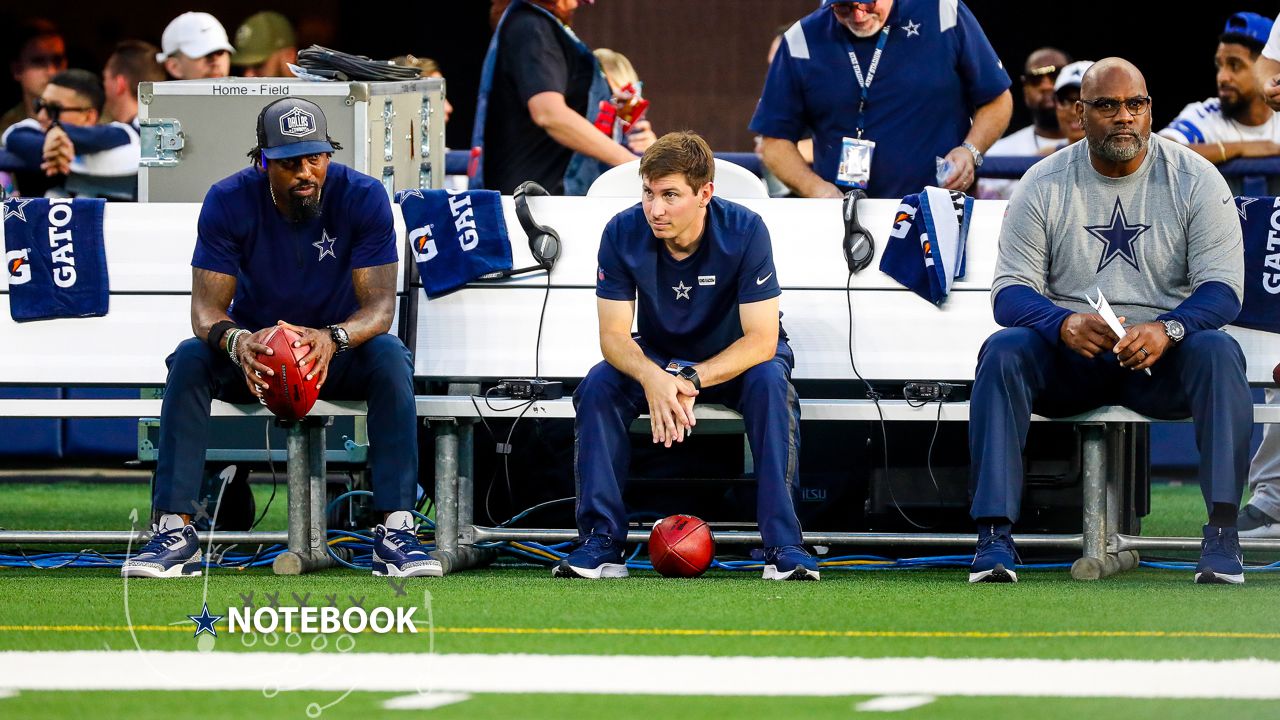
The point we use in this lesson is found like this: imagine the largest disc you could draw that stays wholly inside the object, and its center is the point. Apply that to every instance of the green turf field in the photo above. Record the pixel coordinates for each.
(1142, 615)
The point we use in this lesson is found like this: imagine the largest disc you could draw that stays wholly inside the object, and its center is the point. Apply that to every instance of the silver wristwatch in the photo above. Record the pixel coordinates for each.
(1174, 330)
(977, 154)
(340, 338)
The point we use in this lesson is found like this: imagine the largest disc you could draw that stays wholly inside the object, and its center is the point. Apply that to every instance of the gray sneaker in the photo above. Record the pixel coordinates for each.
(1253, 523)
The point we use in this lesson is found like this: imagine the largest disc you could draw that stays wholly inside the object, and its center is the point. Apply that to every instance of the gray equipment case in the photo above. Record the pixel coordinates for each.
(196, 132)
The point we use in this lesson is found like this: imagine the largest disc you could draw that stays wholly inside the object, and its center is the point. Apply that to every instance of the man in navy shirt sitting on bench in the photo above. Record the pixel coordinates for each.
(293, 240)
(702, 270)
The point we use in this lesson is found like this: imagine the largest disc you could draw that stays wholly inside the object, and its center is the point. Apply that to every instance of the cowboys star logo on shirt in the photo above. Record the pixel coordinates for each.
(297, 123)
(1118, 236)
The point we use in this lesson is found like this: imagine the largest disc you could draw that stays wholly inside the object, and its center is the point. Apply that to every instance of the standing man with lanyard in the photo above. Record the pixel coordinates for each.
(942, 98)
(540, 89)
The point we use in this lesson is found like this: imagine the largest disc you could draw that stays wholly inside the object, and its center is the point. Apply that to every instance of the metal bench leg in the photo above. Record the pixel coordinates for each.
(1118, 481)
(446, 494)
(1093, 564)
(307, 522)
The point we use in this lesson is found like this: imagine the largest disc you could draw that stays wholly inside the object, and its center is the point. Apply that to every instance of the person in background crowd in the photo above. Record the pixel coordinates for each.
(36, 52)
(899, 95)
(1066, 92)
(619, 72)
(265, 45)
(1151, 226)
(66, 140)
(195, 46)
(428, 68)
(540, 91)
(776, 187)
(132, 62)
(1043, 135)
(1237, 122)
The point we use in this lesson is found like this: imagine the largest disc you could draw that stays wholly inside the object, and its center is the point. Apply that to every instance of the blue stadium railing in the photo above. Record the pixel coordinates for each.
(1252, 171)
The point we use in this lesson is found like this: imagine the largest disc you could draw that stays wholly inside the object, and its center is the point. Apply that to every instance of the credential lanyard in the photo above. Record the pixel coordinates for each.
(865, 83)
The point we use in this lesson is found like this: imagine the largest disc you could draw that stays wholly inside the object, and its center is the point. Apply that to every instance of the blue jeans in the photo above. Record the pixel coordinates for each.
(1019, 373)
(607, 401)
(379, 372)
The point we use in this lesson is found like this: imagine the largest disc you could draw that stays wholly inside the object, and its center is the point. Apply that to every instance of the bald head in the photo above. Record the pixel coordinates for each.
(1114, 110)
(1112, 77)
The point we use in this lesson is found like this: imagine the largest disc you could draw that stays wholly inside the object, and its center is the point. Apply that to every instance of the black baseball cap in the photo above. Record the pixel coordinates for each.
(293, 127)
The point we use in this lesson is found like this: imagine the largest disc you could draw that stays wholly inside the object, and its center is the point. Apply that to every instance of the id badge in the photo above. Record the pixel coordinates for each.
(855, 163)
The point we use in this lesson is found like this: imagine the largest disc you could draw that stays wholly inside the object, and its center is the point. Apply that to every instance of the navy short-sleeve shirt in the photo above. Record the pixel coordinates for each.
(936, 69)
(688, 309)
(296, 272)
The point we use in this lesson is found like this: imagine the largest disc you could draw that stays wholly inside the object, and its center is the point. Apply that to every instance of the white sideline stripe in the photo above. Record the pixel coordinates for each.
(424, 701)
(893, 703)
(641, 674)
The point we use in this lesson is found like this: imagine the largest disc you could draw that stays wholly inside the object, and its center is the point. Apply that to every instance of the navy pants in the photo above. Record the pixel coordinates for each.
(378, 371)
(607, 401)
(1019, 373)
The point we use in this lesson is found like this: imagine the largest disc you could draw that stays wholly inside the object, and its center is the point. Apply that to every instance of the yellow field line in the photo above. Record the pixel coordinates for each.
(712, 632)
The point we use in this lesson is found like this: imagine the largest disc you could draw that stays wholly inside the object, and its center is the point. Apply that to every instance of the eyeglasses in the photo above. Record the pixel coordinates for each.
(845, 8)
(1109, 107)
(1035, 76)
(54, 109)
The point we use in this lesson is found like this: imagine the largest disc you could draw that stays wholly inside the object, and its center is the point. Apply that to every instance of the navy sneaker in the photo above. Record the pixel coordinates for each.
(995, 557)
(397, 552)
(789, 562)
(1253, 523)
(1220, 558)
(599, 556)
(172, 551)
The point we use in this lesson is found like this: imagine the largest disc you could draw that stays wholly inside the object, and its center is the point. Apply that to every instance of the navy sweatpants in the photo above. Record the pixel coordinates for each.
(607, 401)
(1019, 373)
(378, 371)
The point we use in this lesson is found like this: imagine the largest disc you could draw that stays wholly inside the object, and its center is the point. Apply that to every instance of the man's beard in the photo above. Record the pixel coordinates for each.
(303, 209)
(1045, 118)
(1111, 150)
(1233, 108)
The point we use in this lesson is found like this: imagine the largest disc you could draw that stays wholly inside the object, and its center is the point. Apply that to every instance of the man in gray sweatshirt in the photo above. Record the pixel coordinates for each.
(1152, 226)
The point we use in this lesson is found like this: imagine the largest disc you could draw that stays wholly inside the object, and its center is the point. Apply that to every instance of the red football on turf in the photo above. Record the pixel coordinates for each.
(289, 394)
(681, 546)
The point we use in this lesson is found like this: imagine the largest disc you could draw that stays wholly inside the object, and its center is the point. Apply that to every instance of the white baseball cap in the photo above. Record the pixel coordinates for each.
(1072, 75)
(194, 34)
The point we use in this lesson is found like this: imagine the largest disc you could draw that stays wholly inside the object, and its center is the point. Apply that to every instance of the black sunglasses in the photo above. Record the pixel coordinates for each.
(54, 109)
(1035, 75)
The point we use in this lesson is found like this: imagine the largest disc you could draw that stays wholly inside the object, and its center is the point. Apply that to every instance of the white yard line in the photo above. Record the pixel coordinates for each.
(640, 674)
(424, 701)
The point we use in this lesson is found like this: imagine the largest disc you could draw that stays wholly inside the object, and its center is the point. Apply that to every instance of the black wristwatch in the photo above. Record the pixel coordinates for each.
(690, 373)
(1174, 330)
(340, 338)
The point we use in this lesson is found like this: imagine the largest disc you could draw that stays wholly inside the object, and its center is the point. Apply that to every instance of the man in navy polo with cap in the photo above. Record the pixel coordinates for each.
(885, 87)
(295, 240)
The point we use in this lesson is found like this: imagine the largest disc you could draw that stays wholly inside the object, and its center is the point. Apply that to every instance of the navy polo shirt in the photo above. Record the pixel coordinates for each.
(688, 309)
(296, 272)
(937, 68)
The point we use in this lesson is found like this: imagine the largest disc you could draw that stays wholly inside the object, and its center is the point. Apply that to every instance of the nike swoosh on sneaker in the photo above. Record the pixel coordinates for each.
(761, 281)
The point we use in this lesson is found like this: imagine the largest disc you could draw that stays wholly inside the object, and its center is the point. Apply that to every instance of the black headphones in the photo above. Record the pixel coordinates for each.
(544, 242)
(859, 246)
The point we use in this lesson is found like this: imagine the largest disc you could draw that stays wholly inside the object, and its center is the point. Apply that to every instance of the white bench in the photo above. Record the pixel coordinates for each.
(487, 331)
